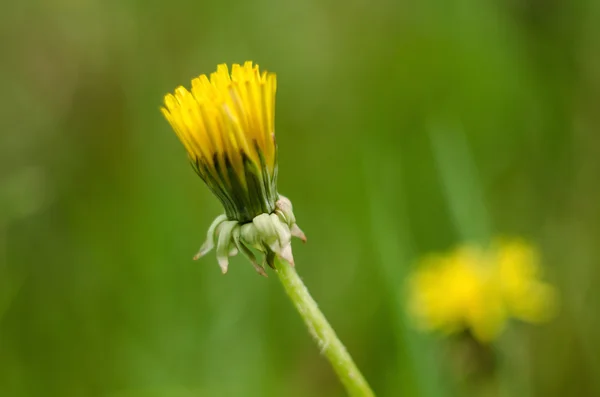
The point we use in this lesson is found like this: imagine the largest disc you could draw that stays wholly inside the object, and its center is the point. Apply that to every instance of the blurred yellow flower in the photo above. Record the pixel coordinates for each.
(479, 289)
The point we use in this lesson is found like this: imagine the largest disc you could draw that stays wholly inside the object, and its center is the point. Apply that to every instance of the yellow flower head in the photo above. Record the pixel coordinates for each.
(518, 271)
(478, 289)
(226, 123)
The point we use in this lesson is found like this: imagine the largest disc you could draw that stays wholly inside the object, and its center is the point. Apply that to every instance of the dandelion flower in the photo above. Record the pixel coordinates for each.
(478, 290)
(226, 123)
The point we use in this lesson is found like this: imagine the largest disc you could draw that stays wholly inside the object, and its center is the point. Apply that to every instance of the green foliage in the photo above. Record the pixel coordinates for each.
(403, 128)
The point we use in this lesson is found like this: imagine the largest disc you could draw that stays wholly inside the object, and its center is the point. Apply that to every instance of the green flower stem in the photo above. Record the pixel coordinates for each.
(325, 336)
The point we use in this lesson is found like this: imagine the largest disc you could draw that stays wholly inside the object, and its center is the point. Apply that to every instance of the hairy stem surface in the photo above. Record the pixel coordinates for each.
(322, 332)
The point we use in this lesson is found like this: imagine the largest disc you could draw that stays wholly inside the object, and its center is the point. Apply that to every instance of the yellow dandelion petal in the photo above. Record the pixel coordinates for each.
(476, 289)
(518, 274)
(226, 124)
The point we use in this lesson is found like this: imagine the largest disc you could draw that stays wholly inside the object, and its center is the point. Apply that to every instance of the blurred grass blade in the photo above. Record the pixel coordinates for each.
(460, 182)
(392, 242)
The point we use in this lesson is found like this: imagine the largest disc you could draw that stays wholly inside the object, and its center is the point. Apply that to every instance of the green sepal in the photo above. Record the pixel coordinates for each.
(269, 233)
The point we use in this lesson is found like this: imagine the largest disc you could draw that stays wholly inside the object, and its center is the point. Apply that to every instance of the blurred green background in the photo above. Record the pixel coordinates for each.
(403, 127)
